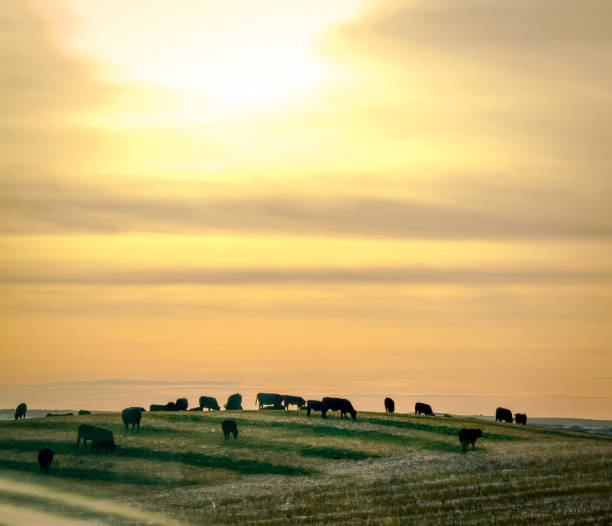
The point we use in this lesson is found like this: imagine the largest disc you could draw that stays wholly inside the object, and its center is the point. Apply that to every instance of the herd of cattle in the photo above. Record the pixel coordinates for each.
(103, 439)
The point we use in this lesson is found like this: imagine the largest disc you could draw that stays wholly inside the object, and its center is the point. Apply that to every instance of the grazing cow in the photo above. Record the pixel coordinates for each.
(131, 415)
(157, 407)
(59, 414)
(229, 426)
(209, 403)
(422, 409)
(100, 438)
(313, 405)
(269, 399)
(293, 400)
(84, 412)
(21, 410)
(170, 406)
(503, 415)
(234, 402)
(182, 404)
(389, 405)
(45, 457)
(338, 404)
(520, 418)
(469, 436)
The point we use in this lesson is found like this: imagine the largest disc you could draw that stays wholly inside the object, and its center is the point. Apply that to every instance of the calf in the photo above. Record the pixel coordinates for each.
(313, 405)
(229, 426)
(469, 436)
(45, 457)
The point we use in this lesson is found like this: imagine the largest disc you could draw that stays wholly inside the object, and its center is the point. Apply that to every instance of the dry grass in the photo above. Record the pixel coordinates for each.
(286, 468)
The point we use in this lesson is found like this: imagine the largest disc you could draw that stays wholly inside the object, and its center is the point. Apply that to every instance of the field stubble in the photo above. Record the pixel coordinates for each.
(288, 469)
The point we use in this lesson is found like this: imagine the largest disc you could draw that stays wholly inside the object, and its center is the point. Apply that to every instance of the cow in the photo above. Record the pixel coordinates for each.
(338, 404)
(422, 409)
(520, 418)
(170, 406)
(313, 405)
(45, 457)
(157, 407)
(503, 415)
(100, 438)
(209, 403)
(60, 414)
(182, 404)
(293, 400)
(389, 405)
(269, 399)
(21, 410)
(229, 426)
(234, 402)
(131, 415)
(84, 412)
(469, 436)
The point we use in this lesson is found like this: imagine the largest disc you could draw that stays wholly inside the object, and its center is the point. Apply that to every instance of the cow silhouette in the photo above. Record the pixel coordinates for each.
(503, 415)
(131, 415)
(469, 436)
(181, 404)
(313, 405)
(209, 403)
(234, 402)
(338, 404)
(229, 427)
(100, 438)
(389, 405)
(293, 400)
(520, 418)
(45, 457)
(269, 399)
(21, 411)
(422, 409)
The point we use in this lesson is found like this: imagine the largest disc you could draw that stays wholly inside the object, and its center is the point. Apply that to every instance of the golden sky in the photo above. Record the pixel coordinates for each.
(395, 198)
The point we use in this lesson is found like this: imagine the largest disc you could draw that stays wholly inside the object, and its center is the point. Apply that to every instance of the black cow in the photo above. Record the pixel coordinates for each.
(21, 410)
(182, 404)
(422, 409)
(503, 415)
(234, 402)
(272, 400)
(131, 415)
(84, 412)
(313, 405)
(389, 405)
(293, 400)
(170, 406)
(209, 403)
(45, 457)
(469, 436)
(100, 438)
(229, 426)
(157, 407)
(520, 418)
(60, 414)
(338, 404)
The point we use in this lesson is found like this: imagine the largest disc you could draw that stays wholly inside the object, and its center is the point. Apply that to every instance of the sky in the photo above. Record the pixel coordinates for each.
(355, 198)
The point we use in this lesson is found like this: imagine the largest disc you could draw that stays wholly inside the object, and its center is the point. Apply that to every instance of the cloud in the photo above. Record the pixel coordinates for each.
(57, 206)
(321, 275)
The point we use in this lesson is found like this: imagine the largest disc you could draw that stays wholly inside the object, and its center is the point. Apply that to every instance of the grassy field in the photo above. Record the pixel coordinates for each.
(288, 469)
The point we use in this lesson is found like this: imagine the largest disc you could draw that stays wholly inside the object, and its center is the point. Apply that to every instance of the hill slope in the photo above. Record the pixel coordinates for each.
(287, 468)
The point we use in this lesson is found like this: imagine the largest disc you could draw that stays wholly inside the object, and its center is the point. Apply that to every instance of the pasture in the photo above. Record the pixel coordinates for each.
(286, 468)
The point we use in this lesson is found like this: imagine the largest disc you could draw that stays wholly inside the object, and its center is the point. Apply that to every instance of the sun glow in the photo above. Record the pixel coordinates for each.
(230, 53)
